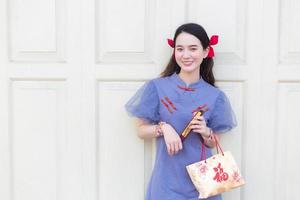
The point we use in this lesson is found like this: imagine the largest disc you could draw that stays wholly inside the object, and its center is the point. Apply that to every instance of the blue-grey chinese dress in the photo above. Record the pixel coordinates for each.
(171, 100)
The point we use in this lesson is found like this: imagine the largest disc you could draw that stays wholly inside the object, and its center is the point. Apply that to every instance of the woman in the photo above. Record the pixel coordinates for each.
(164, 106)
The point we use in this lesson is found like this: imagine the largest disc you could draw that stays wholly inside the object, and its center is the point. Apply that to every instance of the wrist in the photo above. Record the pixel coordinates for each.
(159, 129)
(209, 140)
(209, 135)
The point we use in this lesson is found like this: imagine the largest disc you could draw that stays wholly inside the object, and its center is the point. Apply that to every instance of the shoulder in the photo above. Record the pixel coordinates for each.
(216, 95)
(158, 82)
(214, 91)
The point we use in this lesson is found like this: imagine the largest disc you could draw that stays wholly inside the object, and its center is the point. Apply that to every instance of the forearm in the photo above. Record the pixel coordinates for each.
(147, 131)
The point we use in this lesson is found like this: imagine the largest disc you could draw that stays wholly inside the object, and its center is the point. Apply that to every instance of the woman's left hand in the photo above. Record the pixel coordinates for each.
(198, 125)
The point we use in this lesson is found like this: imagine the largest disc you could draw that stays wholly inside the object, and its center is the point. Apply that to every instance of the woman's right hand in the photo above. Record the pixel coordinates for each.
(172, 139)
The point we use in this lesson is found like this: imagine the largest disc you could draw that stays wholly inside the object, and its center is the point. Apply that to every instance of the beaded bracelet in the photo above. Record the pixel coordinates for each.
(159, 132)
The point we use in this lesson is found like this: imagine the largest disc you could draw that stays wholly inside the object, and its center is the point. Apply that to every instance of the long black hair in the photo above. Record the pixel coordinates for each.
(207, 64)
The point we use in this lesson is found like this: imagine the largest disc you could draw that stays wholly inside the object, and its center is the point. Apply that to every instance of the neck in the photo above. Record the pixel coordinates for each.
(189, 78)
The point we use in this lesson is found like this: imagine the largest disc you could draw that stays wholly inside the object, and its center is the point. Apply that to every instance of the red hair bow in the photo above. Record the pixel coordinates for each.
(171, 43)
(213, 41)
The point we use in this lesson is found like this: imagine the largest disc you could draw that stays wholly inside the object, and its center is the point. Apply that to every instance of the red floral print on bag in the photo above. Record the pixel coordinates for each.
(202, 168)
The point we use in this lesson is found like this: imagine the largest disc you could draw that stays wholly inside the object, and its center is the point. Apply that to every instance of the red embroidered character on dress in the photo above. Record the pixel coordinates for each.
(170, 102)
(220, 175)
(167, 105)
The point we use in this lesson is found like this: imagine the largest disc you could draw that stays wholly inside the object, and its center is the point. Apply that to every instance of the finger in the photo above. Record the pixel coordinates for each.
(200, 122)
(202, 125)
(203, 129)
(197, 131)
(201, 118)
(197, 126)
(195, 121)
(200, 131)
(172, 149)
(197, 117)
(176, 148)
(193, 127)
(180, 145)
(169, 149)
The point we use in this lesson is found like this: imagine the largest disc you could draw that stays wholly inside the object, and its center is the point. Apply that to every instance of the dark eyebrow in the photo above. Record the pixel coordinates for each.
(194, 45)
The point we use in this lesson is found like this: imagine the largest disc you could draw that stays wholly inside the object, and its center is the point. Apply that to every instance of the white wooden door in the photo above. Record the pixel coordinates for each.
(67, 68)
(43, 103)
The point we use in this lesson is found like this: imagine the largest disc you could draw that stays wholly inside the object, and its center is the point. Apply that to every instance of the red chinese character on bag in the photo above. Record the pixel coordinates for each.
(220, 175)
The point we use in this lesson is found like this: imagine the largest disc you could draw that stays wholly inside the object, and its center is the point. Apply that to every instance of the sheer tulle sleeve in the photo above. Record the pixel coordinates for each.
(222, 118)
(145, 103)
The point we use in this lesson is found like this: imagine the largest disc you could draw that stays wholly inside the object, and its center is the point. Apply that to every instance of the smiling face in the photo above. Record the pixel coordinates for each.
(189, 52)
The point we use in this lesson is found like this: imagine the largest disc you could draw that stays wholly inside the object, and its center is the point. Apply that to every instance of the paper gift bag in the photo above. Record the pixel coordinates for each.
(216, 174)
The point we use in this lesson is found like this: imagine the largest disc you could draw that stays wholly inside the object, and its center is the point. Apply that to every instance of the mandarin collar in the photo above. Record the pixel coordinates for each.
(175, 77)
